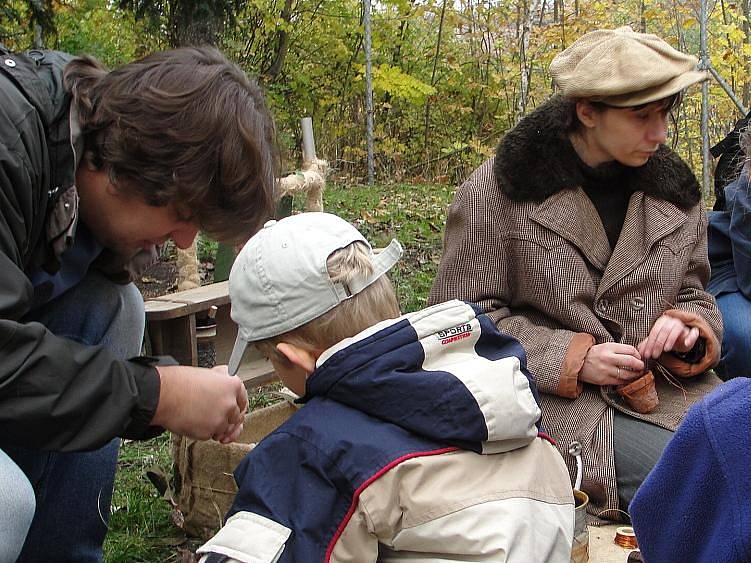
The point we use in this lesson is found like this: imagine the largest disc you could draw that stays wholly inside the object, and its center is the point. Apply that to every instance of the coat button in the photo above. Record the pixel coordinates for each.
(10, 62)
(575, 448)
(637, 303)
(602, 305)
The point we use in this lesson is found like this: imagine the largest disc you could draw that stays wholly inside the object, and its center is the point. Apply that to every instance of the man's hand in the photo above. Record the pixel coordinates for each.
(668, 334)
(611, 363)
(201, 403)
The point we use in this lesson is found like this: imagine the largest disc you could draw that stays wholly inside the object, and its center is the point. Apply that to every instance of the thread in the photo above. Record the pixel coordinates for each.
(625, 537)
(626, 514)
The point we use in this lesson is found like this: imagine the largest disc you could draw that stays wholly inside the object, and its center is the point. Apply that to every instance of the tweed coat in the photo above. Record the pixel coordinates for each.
(525, 242)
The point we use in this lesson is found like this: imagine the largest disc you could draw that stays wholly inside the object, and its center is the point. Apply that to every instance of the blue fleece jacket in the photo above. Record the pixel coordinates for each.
(695, 505)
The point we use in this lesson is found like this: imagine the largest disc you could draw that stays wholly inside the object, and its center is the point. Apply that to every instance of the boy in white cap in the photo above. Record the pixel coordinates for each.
(419, 437)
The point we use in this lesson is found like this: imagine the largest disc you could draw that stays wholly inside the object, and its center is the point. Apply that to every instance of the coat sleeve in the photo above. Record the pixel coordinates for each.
(55, 393)
(292, 505)
(697, 308)
(739, 202)
(474, 267)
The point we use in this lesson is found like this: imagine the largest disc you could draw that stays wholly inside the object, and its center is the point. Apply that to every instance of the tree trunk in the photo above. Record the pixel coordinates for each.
(282, 43)
(432, 75)
(642, 20)
(747, 33)
(396, 56)
(730, 43)
(525, 66)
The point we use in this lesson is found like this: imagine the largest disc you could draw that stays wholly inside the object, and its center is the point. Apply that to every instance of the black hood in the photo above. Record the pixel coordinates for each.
(535, 160)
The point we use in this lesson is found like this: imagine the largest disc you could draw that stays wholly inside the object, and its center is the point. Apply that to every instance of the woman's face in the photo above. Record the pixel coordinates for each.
(627, 135)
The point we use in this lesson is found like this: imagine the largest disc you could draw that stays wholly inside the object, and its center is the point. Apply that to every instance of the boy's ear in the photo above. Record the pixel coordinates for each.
(300, 357)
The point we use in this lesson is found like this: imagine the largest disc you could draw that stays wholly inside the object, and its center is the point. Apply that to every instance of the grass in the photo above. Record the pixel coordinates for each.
(140, 525)
(413, 214)
(141, 528)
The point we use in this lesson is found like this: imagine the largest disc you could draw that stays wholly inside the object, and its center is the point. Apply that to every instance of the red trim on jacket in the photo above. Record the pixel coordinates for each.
(366, 484)
(547, 437)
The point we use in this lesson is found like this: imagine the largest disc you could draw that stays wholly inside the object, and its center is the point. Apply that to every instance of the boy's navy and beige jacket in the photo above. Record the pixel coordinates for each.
(419, 441)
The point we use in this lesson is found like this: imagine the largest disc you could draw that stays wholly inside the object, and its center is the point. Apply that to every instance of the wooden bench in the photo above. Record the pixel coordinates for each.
(171, 330)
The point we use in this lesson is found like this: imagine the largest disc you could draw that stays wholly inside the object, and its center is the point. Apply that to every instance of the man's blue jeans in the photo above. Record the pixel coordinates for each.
(736, 341)
(74, 490)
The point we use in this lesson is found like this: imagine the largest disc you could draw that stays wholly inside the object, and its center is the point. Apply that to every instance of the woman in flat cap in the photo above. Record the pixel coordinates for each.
(585, 239)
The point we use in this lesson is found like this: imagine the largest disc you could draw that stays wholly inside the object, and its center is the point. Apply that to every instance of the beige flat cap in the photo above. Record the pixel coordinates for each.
(623, 68)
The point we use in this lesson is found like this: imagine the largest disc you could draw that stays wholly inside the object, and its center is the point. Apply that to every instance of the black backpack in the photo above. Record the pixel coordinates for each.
(731, 159)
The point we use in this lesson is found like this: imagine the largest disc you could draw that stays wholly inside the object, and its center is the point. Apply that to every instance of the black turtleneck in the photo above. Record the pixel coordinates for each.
(608, 188)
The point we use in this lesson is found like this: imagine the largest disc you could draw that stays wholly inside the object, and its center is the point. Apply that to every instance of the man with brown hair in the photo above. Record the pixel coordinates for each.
(97, 169)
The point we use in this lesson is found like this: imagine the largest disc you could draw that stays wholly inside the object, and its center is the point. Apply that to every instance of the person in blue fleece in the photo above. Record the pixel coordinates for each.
(419, 437)
(695, 506)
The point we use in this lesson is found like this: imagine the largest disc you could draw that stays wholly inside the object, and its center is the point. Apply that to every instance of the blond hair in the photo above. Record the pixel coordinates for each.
(375, 303)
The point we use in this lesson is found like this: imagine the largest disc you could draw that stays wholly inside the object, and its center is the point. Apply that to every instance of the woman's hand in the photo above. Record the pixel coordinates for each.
(611, 363)
(667, 335)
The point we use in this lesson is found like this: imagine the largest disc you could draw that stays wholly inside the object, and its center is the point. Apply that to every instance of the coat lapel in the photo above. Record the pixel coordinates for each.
(648, 220)
(571, 214)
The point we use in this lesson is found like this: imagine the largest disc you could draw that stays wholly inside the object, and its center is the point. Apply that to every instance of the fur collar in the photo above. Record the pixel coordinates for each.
(535, 160)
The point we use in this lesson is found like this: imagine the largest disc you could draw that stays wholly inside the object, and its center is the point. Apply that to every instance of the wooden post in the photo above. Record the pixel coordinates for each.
(308, 141)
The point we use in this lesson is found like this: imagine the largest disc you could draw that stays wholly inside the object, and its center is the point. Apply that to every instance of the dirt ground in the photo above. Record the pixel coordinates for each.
(161, 277)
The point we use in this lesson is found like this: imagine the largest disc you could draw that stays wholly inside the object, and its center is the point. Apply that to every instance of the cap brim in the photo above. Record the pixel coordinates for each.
(673, 86)
(383, 261)
(237, 354)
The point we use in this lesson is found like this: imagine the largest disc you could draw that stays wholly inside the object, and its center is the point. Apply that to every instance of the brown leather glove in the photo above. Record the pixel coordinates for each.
(681, 368)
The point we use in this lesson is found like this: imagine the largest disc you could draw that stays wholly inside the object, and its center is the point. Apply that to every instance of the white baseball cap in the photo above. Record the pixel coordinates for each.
(280, 281)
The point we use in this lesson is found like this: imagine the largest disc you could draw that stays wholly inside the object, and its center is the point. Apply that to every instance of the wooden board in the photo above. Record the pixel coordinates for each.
(175, 337)
(156, 307)
(187, 302)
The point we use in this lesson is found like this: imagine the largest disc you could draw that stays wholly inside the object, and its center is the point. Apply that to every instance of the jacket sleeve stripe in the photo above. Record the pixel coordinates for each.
(367, 483)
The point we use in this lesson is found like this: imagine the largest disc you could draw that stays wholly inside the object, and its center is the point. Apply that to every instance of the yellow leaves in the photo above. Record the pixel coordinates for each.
(689, 23)
(481, 148)
(734, 33)
(395, 82)
(651, 14)
(368, 217)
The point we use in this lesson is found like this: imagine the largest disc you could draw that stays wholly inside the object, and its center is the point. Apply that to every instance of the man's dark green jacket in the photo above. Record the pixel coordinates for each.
(54, 393)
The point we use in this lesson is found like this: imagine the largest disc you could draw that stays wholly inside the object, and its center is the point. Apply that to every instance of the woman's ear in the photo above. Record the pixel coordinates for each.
(586, 114)
(302, 358)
